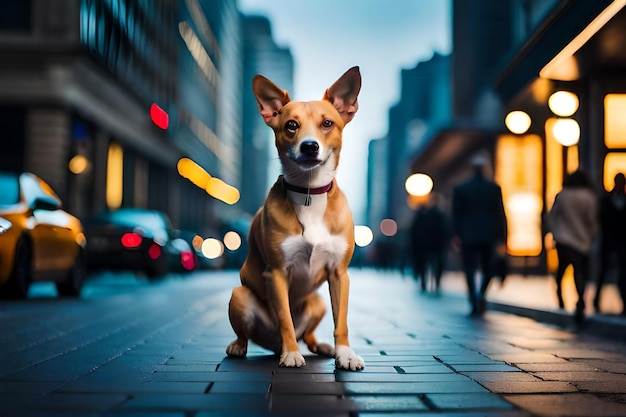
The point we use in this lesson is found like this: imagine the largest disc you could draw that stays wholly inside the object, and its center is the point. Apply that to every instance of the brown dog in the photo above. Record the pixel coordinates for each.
(303, 235)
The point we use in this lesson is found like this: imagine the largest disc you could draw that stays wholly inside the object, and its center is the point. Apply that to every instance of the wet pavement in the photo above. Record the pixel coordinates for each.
(133, 349)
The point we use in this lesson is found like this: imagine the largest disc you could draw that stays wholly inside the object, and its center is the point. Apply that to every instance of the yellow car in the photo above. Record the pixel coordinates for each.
(39, 241)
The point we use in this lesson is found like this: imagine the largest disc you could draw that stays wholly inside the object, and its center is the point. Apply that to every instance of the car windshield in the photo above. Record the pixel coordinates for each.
(9, 190)
(149, 221)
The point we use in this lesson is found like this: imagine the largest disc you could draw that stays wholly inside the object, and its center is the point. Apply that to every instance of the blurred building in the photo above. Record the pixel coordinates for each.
(78, 81)
(513, 56)
(424, 106)
(261, 56)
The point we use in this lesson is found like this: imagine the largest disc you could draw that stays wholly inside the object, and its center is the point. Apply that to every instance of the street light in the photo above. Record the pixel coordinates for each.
(566, 132)
(517, 122)
(418, 185)
(563, 103)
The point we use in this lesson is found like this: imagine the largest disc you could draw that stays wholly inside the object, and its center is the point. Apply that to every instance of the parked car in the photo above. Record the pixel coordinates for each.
(137, 240)
(39, 241)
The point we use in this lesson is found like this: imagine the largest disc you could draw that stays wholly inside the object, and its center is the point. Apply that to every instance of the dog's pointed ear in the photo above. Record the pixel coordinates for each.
(344, 92)
(270, 97)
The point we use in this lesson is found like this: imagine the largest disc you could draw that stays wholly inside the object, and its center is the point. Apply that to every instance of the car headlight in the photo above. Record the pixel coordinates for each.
(5, 225)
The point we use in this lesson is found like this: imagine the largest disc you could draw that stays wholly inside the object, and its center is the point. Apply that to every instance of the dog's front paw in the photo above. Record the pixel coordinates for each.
(345, 358)
(293, 359)
(237, 348)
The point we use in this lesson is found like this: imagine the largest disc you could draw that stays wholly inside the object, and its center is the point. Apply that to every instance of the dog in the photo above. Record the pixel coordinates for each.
(303, 235)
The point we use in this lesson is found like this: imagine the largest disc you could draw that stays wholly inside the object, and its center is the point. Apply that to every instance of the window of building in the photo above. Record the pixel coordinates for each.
(614, 138)
(519, 171)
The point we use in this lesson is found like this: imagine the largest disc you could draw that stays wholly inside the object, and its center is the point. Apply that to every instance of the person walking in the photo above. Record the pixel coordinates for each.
(612, 219)
(429, 237)
(480, 229)
(573, 222)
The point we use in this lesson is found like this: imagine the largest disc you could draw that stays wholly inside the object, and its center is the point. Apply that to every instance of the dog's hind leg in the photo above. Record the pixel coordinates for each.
(251, 321)
(313, 313)
(241, 320)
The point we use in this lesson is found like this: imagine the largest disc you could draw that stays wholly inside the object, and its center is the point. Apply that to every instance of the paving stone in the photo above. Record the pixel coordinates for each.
(248, 387)
(412, 387)
(618, 379)
(573, 405)
(134, 387)
(389, 403)
(468, 401)
(528, 357)
(312, 388)
(296, 402)
(501, 376)
(209, 376)
(520, 387)
(33, 387)
(495, 367)
(190, 402)
(343, 376)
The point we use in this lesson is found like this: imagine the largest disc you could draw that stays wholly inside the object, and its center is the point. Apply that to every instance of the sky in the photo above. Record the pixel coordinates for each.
(382, 37)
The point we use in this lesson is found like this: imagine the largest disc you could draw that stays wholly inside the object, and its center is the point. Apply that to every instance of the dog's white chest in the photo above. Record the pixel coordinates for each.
(316, 248)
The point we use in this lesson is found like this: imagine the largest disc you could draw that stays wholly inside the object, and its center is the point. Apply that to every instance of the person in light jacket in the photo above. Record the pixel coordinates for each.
(573, 221)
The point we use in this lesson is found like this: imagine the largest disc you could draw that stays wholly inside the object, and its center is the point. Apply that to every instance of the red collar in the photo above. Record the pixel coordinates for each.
(304, 190)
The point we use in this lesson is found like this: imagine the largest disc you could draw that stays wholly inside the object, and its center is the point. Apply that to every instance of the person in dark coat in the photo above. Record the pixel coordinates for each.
(429, 237)
(612, 218)
(479, 226)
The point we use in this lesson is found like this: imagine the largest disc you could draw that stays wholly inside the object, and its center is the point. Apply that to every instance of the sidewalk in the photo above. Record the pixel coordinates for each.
(535, 297)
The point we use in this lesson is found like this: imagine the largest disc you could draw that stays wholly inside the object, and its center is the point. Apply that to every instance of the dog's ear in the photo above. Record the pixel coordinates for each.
(270, 97)
(343, 93)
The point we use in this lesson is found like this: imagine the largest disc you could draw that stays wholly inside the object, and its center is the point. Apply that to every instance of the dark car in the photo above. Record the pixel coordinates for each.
(39, 241)
(137, 240)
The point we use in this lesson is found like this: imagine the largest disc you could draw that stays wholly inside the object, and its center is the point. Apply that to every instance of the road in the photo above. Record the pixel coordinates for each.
(128, 347)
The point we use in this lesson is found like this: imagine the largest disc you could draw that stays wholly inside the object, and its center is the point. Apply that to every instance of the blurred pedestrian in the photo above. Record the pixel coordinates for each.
(612, 218)
(429, 237)
(573, 222)
(479, 226)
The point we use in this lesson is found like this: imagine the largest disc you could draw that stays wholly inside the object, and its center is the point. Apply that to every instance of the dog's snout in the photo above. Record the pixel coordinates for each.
(309, 147)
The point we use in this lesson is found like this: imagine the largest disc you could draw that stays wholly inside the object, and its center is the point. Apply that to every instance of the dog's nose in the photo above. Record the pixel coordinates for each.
(309, 148)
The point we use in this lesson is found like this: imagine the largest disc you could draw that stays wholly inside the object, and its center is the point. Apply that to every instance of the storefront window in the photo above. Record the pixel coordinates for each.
(519, 171)
(614, 138)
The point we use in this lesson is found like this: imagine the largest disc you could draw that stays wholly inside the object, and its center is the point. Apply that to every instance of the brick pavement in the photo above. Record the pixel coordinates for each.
(159, 351)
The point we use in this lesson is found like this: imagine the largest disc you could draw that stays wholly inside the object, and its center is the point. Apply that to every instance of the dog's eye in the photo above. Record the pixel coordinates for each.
(327, 124)
(292, 125)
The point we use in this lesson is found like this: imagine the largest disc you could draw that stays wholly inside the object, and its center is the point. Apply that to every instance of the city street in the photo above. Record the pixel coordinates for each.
(131, 348)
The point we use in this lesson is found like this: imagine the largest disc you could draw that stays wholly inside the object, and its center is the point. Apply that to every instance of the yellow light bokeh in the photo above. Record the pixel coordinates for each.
(563, 103)
(614, 162)
(566, 131)
(115, 176)
(193, 172)
(418, 185)
(614, 121)
(517, 122)
(78, 164)
(217, 188)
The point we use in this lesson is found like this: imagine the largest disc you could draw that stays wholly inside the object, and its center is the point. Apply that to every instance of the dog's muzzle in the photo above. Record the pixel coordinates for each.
(309, 155)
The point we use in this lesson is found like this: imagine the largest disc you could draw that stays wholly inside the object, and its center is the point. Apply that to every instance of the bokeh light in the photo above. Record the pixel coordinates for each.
(517, 122)
(418, 185)
(78, 164)
(212, 248)
(566, 132)
(563, 103)
(363, 235)
(232, 240)
(388, 227)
